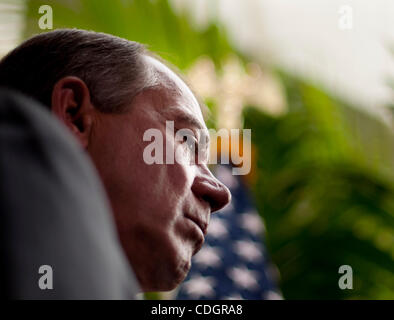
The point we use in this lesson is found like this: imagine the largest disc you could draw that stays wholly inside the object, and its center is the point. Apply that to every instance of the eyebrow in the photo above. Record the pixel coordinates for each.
(182, 116)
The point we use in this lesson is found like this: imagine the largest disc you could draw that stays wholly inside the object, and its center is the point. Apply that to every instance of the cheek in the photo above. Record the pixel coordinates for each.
(115, 154)
(180, 178)
(114, 157)
(140, 194)
(181, 172)
(169, 183)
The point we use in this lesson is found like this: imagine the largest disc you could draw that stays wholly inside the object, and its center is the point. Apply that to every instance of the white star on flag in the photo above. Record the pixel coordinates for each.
(272, 295)
(199, 286)
(208, 256)
(234, 296)
(248, 250)
(252, 222)
(217, 228)
(244, 278)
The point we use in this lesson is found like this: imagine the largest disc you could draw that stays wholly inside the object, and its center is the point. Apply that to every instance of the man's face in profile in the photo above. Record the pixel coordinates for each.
(161, 210)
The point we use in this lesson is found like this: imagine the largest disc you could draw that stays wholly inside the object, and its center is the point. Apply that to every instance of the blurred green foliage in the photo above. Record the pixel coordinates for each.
(325, 184)
(152, 22)
(324, 203)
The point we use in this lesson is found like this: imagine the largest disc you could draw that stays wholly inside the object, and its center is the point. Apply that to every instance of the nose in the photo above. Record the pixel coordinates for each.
(211, 190)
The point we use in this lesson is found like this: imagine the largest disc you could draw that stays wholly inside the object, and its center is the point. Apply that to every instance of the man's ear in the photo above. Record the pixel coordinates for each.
(72, 105)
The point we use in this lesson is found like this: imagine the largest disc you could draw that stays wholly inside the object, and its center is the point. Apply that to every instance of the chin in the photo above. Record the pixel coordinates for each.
(177, 276)
(180, 274)
(173, 276)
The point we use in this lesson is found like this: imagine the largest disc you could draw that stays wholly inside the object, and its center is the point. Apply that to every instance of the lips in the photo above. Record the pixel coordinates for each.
(202, 224)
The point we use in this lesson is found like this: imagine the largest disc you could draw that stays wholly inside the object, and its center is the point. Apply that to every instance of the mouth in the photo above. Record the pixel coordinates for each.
(202, 227)
(200, 223)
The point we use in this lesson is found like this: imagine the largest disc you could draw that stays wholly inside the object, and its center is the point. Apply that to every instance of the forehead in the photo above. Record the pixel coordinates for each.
(181, 99)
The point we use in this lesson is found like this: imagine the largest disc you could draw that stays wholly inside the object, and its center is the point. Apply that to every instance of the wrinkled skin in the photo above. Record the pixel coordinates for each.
(161, 210)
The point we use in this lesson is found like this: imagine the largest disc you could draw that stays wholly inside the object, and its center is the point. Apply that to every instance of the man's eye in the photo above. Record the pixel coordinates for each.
(191, 142)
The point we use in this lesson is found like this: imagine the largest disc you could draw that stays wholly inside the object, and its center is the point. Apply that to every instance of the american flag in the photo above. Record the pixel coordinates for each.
(233, 263)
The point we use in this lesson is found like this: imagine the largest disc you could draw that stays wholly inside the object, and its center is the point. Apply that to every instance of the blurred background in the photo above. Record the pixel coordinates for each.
(314, 81)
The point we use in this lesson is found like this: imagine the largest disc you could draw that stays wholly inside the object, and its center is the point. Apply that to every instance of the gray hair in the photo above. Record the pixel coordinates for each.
(111, 67)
